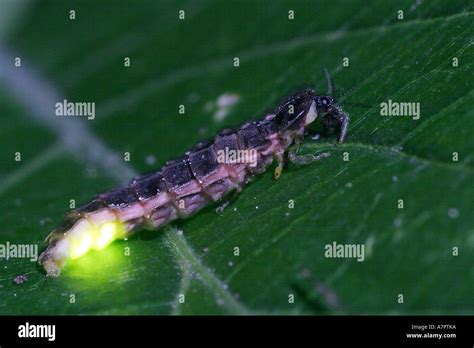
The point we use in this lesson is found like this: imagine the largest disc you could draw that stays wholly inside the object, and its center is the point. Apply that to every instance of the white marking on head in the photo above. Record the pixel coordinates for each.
(311, 115)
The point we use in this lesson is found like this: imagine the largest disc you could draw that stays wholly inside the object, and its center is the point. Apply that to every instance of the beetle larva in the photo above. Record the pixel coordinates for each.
(202, 176)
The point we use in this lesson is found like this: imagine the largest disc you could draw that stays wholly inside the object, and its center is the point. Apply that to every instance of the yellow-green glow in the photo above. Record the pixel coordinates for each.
(105, 235)
(81, 246)
(96, 238)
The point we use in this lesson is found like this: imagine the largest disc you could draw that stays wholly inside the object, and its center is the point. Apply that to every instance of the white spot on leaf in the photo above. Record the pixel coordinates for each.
(222, 106)
(453, 213)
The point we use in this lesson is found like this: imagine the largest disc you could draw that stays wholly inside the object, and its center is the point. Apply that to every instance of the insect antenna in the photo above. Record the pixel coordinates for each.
(329, 81)
(331, 91)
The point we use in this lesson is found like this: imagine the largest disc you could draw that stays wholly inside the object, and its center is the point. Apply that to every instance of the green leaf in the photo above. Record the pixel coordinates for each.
(408, 251)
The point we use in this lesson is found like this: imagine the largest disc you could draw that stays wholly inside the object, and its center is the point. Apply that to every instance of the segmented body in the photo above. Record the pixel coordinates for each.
(183, 186)
(187, 184)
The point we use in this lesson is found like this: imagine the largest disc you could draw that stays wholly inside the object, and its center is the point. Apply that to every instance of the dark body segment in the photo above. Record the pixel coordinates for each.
(210, 173)
(203, 162)
(148, 186)
(228, 140)
(118, 198)
(177, 173)
(254, 139)
(268, 127)
(290, 112)
(251, 136)
(185, 192)
(199, 177)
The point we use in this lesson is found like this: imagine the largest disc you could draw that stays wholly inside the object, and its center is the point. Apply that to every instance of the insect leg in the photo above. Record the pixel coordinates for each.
(344, 117)
(336, 119)
(230, 198)
(280, 157)
(305, 159)
(221, 207)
